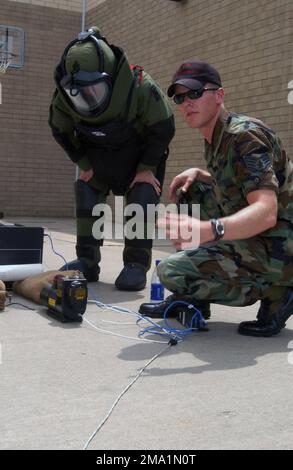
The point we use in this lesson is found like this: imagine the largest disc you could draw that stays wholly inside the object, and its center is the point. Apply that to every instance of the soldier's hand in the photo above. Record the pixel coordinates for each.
(182, 181)
(183, 231)
(147, 176)
(185, 179)
(86, 175)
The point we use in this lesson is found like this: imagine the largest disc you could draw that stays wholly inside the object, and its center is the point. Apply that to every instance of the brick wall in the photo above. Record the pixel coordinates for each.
(70, 5)
(94, 3)
(249, 41)
(36, 178)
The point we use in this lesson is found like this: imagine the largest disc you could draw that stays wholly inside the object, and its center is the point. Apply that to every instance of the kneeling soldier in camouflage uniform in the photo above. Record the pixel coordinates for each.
(246, 203)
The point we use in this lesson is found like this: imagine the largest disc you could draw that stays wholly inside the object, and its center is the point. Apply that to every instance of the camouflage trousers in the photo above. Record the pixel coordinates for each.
(234, 273)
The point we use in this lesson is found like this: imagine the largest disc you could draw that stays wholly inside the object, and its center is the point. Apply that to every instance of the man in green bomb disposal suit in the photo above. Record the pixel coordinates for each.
(246, 212)
(115, 123)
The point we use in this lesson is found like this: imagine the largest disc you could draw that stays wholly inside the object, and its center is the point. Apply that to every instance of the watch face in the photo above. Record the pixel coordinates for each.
(220, 228)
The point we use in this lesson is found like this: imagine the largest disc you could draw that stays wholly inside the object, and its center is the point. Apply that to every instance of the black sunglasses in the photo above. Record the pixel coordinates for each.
(191, 94)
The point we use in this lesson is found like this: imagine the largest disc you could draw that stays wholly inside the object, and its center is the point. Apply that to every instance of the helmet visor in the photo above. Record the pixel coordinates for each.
(89, 93)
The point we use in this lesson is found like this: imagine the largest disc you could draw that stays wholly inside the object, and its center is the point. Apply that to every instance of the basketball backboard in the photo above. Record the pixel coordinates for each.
(11, 47)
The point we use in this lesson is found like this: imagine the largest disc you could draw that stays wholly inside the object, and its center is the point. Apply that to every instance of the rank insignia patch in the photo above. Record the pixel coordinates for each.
(257, 162)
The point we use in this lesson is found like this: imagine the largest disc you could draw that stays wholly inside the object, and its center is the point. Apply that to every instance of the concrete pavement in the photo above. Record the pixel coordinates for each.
(215, 390)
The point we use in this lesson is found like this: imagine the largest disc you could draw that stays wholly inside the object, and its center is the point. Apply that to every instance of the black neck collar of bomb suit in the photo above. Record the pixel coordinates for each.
(91, 35)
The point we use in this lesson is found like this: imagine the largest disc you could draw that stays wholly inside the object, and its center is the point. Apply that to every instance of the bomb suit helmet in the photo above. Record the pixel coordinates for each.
(87, 68)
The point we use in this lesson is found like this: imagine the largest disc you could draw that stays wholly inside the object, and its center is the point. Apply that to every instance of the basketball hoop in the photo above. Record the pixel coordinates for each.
(11, 48)
(4, 64)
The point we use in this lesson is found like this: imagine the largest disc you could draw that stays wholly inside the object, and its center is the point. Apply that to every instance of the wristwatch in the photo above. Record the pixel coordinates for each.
(218, 229)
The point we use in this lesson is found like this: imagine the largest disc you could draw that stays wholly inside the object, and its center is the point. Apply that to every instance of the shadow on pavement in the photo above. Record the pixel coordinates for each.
(222, 348)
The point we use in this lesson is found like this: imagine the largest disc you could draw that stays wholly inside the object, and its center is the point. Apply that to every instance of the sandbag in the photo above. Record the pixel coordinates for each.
(3, 295)
(32, 286)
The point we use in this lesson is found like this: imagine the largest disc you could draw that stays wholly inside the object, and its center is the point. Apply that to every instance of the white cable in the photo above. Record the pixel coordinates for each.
(101, 330)
(119, 323)
(121, 395)
(140, 317)
(115, 308)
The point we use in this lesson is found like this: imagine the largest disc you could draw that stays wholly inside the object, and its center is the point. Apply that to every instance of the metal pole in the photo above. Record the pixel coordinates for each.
(84, 8)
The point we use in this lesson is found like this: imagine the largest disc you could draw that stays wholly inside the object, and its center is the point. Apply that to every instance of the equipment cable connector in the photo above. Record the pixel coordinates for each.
(173, 342)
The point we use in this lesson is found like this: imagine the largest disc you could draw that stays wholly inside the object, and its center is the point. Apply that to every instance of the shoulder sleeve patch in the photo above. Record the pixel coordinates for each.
(257, 162)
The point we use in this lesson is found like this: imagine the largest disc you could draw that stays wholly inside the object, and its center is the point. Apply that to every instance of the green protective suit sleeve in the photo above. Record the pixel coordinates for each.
(62, 126)
(156, 123)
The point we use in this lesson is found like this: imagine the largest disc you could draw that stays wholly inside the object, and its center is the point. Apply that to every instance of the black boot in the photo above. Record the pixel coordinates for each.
(157, 310)
(269, 325)
(131, 278)
(286, 309)
(258, 328)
